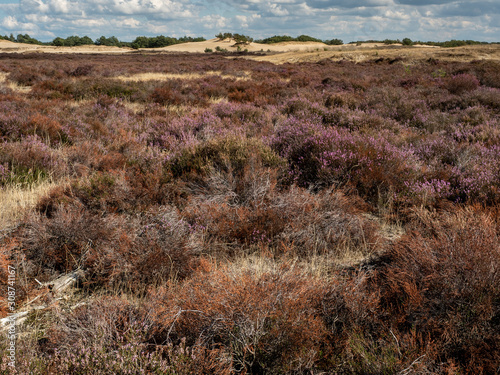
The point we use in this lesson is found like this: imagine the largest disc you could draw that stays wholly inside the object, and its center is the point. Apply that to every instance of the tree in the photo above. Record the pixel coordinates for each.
(334, 42)
(58, 42)
(407, 42)
(242, 39)
(84, 41)
(25, 38)
(111, 41)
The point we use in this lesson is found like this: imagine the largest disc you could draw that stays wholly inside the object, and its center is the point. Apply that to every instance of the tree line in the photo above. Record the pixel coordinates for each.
(163, 41)
(72, 41)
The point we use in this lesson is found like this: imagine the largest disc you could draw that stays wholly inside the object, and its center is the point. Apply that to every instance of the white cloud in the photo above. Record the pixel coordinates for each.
(59, 6)
(277, 10)
(244, 21)
(91, 23)
(38, 18)
(215, 21)
(10, 23)
(396, 14)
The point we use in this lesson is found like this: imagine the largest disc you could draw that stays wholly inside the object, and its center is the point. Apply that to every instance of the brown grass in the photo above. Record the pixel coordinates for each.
(371, 52)
(12, 85)
(15, 201)
(142, 77)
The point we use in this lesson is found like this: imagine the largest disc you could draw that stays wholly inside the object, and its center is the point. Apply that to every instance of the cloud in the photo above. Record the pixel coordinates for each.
(215, 21)
(469, 9)
(10, 23)
(245, 21)
(424, 2)
(277, 10)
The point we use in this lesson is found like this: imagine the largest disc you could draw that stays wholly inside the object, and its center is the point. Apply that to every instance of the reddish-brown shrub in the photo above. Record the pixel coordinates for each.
(166, 95)
(267, 323)
(444, 282)
(46, 127)
(111, 250)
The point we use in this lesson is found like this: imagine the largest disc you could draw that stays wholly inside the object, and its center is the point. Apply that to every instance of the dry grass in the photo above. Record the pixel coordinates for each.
(15, 201)
(12, 85)
(143, 77)
(372, 52)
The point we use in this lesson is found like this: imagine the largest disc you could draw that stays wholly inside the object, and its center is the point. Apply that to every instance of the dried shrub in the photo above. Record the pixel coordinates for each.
(166, 95)
(112, 250)
(326, 223)
(63, 242)
(46, 128)
(112, 335)
(445, 284)
(266, 323)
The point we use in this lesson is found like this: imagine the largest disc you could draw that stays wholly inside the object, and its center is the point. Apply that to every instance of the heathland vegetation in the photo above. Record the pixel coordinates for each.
(233, 216)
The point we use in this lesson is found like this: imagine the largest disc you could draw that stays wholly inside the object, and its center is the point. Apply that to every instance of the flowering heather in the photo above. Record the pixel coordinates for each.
(231, 216)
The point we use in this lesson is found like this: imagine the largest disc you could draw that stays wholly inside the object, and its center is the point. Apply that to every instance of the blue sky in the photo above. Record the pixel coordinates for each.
(349, 20)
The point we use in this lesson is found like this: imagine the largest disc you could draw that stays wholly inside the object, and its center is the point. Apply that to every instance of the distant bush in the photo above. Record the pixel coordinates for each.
(72, 41)
(222, 36)
(161, 41)
(334, 42)
(407, 42)
(242, 39)
(286, 38)
(110, 42)
(25, 38)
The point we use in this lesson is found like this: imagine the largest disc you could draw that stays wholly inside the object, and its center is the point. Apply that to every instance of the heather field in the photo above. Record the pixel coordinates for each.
(222, 215)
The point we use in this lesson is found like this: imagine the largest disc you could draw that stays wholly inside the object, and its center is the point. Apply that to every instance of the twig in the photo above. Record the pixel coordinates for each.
(408, 369)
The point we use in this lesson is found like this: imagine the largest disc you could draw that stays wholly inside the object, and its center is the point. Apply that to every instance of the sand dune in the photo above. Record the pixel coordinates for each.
(287, 52)
(230, 45)
(195, 47)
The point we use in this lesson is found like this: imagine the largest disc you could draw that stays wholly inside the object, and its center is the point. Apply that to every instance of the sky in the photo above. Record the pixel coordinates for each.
(349, 20)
